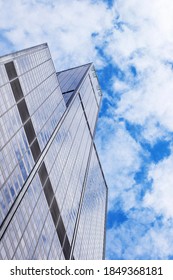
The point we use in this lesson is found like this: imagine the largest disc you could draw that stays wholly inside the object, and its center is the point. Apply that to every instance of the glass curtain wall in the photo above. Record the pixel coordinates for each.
(52, 189)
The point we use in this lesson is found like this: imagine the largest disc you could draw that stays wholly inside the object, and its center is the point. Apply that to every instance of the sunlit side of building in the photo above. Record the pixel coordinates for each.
(53, 194)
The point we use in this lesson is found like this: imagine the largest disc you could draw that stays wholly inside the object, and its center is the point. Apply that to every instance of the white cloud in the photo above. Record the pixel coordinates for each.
(119, 154)
(160, 198)
(150, 22)
(138, 239)
(145, 41)
(67, 26)
(153, 131)
(152, 99)
(120, 86)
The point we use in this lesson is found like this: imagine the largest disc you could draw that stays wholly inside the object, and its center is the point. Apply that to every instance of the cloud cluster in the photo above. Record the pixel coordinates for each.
(144, 40)
(141, 46)
(150, 238)
(67, 26)
(120, 157)
(160, 199)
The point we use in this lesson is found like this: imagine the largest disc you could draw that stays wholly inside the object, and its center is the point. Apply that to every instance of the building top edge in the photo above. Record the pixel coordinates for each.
(59, 72)
(21, 52)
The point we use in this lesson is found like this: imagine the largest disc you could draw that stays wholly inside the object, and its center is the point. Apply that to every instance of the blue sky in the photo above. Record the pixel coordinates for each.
(131, 45)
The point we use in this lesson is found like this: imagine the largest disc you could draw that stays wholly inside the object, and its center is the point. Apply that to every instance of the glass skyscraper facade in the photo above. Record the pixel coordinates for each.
(53, 194)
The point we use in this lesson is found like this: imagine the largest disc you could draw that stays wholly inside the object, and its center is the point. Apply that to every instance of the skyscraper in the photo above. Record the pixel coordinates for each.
(53, 194)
